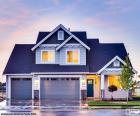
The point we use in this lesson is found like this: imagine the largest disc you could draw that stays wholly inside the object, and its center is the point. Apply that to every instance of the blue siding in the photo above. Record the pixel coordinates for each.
(60, 56)
(82, 55)
(38, 55)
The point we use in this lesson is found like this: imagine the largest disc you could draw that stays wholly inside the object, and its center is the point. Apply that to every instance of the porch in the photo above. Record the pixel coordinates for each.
(97, 87)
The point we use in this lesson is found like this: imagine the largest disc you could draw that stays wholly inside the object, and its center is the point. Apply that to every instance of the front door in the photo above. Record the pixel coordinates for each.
(90, 88)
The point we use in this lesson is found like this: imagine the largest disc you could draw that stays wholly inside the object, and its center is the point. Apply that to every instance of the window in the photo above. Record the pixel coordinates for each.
(114, 80)
(48, 56)
(60, 35)
(116, 63)
(73, 57)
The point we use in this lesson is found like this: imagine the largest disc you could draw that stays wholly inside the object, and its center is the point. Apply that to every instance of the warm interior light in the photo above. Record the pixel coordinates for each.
(114, 80)
(47, 56)
(73, 56)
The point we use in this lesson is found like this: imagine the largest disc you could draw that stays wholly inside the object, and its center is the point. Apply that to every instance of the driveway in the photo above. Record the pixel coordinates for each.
(101, 112)
(63, 111)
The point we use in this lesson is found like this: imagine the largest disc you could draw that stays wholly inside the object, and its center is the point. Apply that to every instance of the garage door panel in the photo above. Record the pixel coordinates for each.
(59, 89)
(21, 89)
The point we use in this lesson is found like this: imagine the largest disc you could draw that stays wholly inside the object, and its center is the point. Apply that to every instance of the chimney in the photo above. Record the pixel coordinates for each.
(69, 29)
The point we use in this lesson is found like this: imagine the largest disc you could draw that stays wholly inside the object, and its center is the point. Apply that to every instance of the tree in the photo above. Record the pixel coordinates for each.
(111, 89)
(126, 77)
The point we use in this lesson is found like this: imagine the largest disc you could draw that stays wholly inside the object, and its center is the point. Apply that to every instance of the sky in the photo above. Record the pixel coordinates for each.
(109, 20)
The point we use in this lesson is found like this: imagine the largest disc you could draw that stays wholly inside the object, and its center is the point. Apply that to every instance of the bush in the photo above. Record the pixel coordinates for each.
(111, 89)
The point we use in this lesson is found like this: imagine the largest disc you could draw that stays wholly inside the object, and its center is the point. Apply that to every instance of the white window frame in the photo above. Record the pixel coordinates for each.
(50, 62)
(116, 63)
(67, 57)
(58, 35)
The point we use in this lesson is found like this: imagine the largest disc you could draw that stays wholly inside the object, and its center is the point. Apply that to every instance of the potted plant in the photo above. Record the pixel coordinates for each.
(111, 89)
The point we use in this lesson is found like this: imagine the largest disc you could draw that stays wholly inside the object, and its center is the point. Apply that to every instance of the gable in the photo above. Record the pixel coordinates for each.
(73, 37)
(53, 39)
(112, 64)
(50, 34)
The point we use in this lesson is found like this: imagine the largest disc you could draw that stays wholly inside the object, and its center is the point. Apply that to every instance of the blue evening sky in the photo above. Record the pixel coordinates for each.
(109, 20)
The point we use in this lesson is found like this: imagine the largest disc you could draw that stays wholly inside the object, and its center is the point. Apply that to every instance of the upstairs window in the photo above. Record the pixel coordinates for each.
(73, 57)
(60, 35)
(48, 56)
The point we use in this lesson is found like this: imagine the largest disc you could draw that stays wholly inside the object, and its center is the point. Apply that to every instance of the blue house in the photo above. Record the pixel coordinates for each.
(64, 64)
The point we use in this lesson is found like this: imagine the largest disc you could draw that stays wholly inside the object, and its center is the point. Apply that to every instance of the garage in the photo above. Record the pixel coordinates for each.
(21, 88)
(59, 88)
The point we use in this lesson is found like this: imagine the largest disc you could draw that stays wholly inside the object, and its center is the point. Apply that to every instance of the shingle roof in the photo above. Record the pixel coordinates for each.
(80, 34)
(22, 59)
(101, 53)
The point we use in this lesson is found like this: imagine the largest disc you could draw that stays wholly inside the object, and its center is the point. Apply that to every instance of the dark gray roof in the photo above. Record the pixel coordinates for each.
(80, 34)
(101, 53)
(22, 59)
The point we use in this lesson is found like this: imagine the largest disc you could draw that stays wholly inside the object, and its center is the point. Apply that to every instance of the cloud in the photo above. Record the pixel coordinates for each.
(56, 2)
(102, 23)
(121, 6)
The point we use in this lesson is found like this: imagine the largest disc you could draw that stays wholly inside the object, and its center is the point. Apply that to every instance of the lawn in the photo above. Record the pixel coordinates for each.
(136, 96)
(113, 103)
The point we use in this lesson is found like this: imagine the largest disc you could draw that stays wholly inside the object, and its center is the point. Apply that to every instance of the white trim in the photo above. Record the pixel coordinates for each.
(69, 44)
(70, 49)
(59, 76)
(21, 76)
(69, 38)
(53, 31)
(33, 88)
(111, 61)
(68, 73)
(63, 43)
(18, 74)
(49, 45)
(48, 62)
(102, 82)
(9, 88)
(32, 73)
(114, 69)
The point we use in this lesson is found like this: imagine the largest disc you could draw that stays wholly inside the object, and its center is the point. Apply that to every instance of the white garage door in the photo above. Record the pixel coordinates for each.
(60, 88)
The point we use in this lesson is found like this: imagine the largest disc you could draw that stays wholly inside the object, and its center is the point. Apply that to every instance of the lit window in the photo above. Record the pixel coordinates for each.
(48, 56)
(73, 56)
(60, 35)
(114, 80)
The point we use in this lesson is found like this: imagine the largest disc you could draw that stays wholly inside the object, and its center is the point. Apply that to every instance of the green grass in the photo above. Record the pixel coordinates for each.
(113, 103)
(136, 96)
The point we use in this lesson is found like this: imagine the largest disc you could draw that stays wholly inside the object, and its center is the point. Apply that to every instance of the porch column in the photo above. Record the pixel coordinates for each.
(102, 85)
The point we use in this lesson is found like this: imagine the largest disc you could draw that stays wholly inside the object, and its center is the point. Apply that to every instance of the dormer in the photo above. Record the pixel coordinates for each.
(61, 46)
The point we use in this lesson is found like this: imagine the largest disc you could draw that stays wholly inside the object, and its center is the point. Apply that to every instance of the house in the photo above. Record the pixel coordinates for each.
(64, 64)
